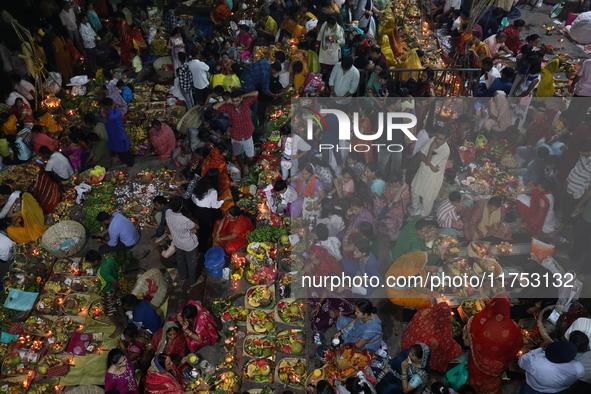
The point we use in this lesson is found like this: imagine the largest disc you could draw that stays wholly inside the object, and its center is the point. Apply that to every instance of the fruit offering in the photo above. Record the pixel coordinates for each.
(291, 311)
(29, 342)
(262, 322)
(15, 365)
(262, 297)
(66, 324)
(8, 387)
(292, 372)
(480, 250)
(291, 341)
(259, 370)
(38, 326)
(95, 311)
(74, 304)
(315, 377)
(42, 387)
(258, 346)
(58, 343)
(471, 307)
(228, 382)
(50, 361)
(49, 303)
(73, 267)
(234, 314)
(199, 378)
(4, 348)
(292, 262)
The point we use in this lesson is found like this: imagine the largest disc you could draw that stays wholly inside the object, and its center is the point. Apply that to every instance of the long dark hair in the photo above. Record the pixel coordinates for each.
(114, 356)
(209, 181)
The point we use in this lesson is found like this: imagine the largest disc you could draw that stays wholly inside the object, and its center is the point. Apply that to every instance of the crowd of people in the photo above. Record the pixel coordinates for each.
(370, 213)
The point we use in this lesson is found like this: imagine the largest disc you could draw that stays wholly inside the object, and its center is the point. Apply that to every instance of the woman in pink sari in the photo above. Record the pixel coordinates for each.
(390, 208)
(198, 326)
(245, 39)
(165, 378)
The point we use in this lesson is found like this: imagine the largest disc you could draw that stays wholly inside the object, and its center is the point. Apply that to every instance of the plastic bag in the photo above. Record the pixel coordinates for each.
(540, 250)
(457, 376)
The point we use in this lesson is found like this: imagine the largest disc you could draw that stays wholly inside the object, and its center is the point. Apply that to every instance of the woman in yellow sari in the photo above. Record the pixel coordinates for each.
(29, 223)
(410, 60)
(298, 73)
(409, 294)
(546, 85)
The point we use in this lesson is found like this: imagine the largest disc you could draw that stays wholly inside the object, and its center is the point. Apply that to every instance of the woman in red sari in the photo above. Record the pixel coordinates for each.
(542, 127)
(169, 340)
(486, 218)
(125, 38)
(494, 341)
(534, 209)
(47, 192)
(212, 158)
(322, 262)
(165, 378)
(230, 232)
(198, 326)
(432, 326)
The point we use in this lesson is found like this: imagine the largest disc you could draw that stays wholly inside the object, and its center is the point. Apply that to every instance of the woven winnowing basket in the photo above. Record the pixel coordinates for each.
(192, 119)
(142, 286)
(86, 389)
(59, 233)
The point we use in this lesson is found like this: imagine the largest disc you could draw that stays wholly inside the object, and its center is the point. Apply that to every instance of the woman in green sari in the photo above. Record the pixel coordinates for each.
(412, 239)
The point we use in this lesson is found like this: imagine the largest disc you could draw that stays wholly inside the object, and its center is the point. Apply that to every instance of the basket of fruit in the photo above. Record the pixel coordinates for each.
(487, 267)
(75, 304)
(262, 322)
(260, 297)
(266, 390)
(198, 379)
(291, 372)
(259, 370)
(54, 365)
(14, 385)
(291, 262)
(469, 308)
(147, 175)
(228, 382)
(259, 346)
(49, 303)
(96, 312)
(57, 343)
(45, 386)
(290, 311)
(16, 363)
(291, 342)
(37, 325)
(234, 314)
(163, 67)
(74, 266)
(67, 324)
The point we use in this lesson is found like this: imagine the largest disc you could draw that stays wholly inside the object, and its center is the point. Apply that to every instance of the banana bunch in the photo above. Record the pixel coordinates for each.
(137, 135)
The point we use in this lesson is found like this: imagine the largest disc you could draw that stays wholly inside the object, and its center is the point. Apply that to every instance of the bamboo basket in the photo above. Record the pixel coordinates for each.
(142, 285)
(542, 327)
(272, 365)
(297, 323)
(57, 234)
(159, 63)
(271, 357)
(269, 307)
(87, 389)
(250, 328)
(82, 306)
(291, 360)
(192, 119)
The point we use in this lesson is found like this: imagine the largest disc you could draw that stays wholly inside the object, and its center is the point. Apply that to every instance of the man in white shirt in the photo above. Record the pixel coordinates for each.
(294, 147)
(182, 231)
(490, 74)
(6, 245)
(57, 163)
(551, 370)
(344, 80)
(24, 88)
(442, 13)
(199, 70)
(68, 19)
(89, 39)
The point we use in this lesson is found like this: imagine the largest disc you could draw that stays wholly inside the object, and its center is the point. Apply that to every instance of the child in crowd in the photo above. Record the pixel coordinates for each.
(448, 214)
(136, 65)
(125, 91)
